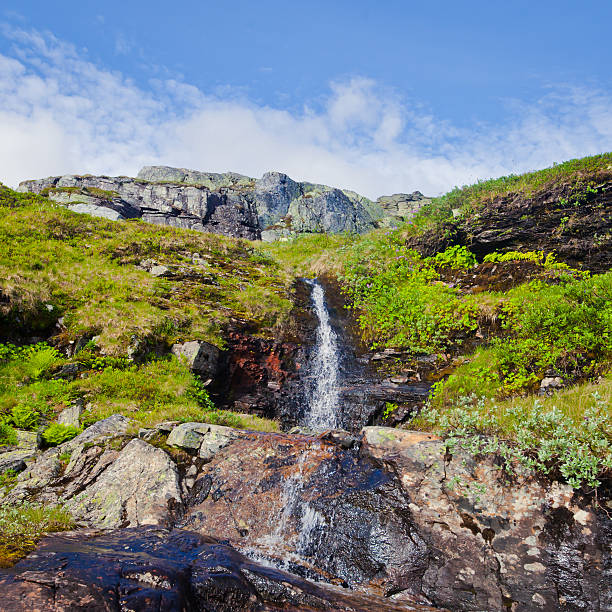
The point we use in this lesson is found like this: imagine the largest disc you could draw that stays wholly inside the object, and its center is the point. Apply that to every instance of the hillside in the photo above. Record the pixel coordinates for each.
(468, 354)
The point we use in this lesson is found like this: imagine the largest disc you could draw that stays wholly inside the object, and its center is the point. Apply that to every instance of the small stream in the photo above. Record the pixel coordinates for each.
(320, 414)
(323, 396)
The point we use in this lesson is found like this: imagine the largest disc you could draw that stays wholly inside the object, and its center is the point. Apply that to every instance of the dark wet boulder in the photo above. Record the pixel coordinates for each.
(153, 569)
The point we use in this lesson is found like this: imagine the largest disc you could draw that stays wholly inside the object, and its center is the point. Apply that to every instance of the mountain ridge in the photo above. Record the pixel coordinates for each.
(270, 208)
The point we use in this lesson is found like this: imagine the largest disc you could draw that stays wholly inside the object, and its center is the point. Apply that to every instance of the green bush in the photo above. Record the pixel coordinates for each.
(398, 298)
(57, 433)
(547, 441)
(23, 417)
(455, 258)
(198, 392)
(549, 262)
(8, 435)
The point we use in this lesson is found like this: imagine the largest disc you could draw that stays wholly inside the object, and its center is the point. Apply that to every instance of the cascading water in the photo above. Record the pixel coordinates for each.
(323, 400)
(321, 414)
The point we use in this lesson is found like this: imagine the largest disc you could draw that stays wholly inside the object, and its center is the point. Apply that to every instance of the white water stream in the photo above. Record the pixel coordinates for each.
(321, 411)
(320, 414)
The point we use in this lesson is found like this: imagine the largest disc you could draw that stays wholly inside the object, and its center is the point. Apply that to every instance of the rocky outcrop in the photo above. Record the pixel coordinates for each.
(402, 206)
(576, 225)
(388, 512)
(154, 569)
(406, 519)
(108, 481)
(202, 358)
(496, 541)
(271, 208)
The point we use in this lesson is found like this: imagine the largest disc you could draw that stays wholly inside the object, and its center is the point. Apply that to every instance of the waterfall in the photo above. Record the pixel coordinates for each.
(299, 522)
(323, 400)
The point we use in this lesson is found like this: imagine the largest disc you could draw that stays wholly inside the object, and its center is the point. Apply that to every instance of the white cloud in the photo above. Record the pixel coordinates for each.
(59, 113)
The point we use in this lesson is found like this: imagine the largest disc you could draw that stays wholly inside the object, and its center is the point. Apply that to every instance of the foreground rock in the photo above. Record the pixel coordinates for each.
(403, 519)
(388, 512)
(270, 208)
(153, 569)
(497, 542)
(109, 481)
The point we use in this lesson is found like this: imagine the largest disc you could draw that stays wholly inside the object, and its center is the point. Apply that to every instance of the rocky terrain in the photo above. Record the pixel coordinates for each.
(158, 387)
(269, 208)
(386, 511)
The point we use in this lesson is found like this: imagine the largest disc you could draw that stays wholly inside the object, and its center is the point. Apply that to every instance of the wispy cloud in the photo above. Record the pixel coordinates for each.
(60, 113)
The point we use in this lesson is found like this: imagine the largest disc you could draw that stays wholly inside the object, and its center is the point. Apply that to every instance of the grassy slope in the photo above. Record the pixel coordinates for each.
(552, 321)
(581, 174)
(84, 269)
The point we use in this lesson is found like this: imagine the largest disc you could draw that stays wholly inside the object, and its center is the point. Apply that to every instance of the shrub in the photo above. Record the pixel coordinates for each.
(545, 440)
(455, 258)
(198, 392)
(537, 257)
(8, 436)
(57, 433)
(23, 417)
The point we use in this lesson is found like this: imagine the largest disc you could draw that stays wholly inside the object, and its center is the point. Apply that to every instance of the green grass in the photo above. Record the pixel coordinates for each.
(22, 526)
(158, 390)
(86, 268)
(578, 174)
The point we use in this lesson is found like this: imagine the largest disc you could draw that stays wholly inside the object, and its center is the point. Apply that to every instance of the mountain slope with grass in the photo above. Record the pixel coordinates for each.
(89, 309)
(518, 324)
(473, 376)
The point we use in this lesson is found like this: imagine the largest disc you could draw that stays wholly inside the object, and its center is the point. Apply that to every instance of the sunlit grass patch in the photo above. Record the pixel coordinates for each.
(22, 526)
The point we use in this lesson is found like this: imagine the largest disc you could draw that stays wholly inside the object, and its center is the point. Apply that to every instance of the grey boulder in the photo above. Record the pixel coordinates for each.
(137, 488)
(203, 438)
(201, 357)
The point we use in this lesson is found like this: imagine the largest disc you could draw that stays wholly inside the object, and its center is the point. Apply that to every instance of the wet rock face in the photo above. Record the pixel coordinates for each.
(153, 569)
(388, 512)
(580, 234)
(549, 220)
(403, 518)
(312, 507)
(496, 542)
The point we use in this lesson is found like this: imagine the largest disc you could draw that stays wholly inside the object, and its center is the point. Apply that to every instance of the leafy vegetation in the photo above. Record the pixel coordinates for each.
(21, 526)
(160, 389)
(551, 435)
(57, 433)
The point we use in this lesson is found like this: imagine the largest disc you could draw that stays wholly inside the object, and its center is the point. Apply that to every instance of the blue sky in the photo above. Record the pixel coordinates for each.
(378, 97)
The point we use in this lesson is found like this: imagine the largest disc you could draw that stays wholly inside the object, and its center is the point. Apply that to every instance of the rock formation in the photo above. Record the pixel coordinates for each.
(155, 569)
(269, 208)
(388, 512)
